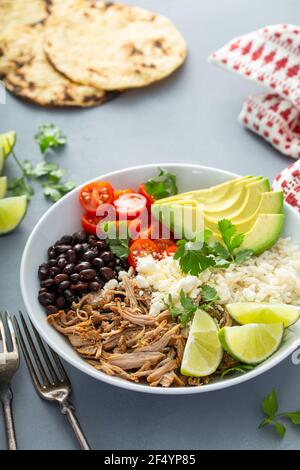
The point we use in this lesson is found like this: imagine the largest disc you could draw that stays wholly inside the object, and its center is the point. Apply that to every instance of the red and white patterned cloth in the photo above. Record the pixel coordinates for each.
(271, 57)
(289, 182)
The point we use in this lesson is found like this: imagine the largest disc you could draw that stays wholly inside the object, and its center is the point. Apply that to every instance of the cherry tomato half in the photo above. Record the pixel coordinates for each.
(143, 192)
(171, 250)
(141, 248)
(164, 245)
(130, 205)
(94, 194)
(89, 223)
(120, 192)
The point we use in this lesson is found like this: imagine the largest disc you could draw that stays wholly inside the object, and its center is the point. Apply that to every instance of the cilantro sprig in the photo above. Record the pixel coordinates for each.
(185, 312)
(163, 185)
(49, 136)
(209, 296)
(196, 256)
(241, 368)
(270, 407)
(117, 237)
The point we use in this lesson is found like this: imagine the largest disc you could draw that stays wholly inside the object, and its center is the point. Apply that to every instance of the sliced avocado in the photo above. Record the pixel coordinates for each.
(215, 193)
(7, 142)
(270, 203)
(1, 160)
(184, 221)
(247, 199)
(264, 233)
(3, 186)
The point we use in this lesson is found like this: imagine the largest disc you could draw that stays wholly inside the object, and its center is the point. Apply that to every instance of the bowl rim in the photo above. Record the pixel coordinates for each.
(116, 381)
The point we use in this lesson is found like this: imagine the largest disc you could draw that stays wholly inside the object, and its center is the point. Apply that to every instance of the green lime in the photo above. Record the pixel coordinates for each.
(252, 343)
(12, 211)
(7, 142)
(203, 351)
(250, 312)
(3, 186)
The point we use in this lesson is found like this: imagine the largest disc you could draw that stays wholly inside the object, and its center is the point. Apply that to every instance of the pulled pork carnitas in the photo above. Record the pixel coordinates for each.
(113, 331)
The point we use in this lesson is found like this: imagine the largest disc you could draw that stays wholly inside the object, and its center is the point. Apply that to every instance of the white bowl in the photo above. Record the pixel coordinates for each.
(64, 218)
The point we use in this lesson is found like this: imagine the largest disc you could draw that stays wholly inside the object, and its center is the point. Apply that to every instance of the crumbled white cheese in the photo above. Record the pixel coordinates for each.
(122, 274)
(165, 277)
(112, 284)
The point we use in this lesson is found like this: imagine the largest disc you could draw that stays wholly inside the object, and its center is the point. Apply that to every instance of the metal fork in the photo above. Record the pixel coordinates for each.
(53, 384)
(9, 363)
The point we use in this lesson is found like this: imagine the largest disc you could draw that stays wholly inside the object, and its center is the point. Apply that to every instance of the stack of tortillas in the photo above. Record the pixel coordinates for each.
(80, 52)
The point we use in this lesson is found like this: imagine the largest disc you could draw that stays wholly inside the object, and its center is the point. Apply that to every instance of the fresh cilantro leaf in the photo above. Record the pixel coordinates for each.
(163, 185)
(19, 187)
(220, 250)
(243, 256)
(49, 136)
(119, 247)
(192, 258)
(236, 241)
(270, 404)
(242, 368)
(227, 230)
(186, 312)
(280, 428)
(54, 192)
(54, 176)
(209, 294)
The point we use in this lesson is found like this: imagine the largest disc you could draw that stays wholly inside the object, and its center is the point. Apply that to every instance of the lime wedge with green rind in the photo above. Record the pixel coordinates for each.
(203, 351)
(12, 211)
(253, 343)
(7, 142)
(250, 312)
(3, 186)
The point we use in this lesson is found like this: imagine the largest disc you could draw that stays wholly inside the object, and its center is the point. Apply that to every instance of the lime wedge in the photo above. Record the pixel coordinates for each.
(250, 312)
(203, 351)
(3, 186)
(1, 160)
(12, 211)
(7, 142)
(253, 343)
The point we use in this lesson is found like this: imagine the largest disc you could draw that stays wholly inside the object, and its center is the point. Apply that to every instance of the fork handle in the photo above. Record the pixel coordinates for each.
(68, 410)
(8, 418)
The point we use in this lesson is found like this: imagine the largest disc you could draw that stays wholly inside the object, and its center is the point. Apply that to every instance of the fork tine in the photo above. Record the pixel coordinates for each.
(34, 352)
(12, 332)
(28, 361)
(45, 355)
(2, 333)
(60, 367)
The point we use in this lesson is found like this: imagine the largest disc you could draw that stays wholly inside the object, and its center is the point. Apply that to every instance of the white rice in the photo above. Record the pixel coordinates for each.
(272, 277)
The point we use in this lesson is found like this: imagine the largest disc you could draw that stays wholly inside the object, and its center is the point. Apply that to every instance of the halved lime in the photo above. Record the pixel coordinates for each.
(250, 312)
(3, 186)
(7, 142)
(12, 211)
(203, 351)
(1, 160)
(252, 343)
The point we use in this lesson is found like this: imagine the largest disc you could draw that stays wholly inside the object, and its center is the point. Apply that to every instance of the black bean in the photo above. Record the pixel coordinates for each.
(89, 255)
(118, 269)
(107, 273)
(78, 248)
(68, 295)
(106, 256)
(62, 249)
(65, 240)
(52, 263)
(97, 279)
(79, 286)
(42, 290)
(79, 237)
(60, 278)
(101, 245)
(117, 261)
(47, 283)
(46, 298)
(54, 271)
(94, 286)
(60, 301)
(64, 285)
(71, 256)
(87, 274)
(51, 309)
(75, 277)
(69, 268)
(43, 272)
(83, 265)
(125, 264)
(51, 254)
(112, 265)
(61, 263)
(85, 247)
(98, 262)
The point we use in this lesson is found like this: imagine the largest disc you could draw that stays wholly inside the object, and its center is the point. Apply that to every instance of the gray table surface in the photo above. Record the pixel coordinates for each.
(191, 117)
